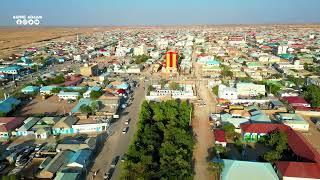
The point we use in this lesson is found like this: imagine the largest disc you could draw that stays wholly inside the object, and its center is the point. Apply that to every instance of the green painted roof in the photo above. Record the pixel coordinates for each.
(245, 170)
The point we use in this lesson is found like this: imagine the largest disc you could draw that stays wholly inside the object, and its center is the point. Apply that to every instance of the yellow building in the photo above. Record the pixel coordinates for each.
(89, 70)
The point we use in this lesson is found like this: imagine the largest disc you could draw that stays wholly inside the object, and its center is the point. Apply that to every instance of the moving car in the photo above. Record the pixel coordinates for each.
(115, 161)
(108, 174)
(125, 130)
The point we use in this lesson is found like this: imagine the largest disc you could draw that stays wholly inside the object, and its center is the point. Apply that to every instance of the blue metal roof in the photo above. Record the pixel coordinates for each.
(11, 68)
(82, 101)
(6, 105)
(81, 156)
(47, 88)
(30, 89)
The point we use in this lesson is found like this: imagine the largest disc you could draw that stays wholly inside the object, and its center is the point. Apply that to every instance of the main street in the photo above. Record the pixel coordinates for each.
(117, 144)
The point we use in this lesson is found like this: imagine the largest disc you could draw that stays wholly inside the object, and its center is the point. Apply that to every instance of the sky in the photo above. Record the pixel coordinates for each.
(160, 12)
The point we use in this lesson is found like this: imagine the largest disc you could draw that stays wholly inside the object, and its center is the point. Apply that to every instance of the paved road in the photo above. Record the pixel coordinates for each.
(118, 143)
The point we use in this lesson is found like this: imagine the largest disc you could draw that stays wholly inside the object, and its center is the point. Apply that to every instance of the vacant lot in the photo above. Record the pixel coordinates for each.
(16, 39)
(52, 105)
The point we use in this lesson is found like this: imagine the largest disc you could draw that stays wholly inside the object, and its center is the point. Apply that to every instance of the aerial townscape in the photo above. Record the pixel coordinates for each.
(184, 102)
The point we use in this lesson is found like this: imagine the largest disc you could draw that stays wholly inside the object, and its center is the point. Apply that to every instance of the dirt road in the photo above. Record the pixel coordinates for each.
(204, 135)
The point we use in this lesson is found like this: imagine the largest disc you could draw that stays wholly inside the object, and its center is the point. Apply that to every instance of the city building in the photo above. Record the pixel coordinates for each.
(89, 70)
(9, 125)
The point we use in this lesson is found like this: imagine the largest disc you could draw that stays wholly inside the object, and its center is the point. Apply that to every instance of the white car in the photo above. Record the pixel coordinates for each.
(127, 121)
(125, 130)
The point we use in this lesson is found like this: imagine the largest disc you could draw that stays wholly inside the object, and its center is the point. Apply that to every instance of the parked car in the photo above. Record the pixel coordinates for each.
(127, 121)
(38, 147)
(115, 161)
(125, 130)
(108, 174)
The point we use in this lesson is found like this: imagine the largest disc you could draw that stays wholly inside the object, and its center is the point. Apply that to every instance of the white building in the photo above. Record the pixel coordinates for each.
(229, 93)
(140, 50)
(250, 89)
(90, 128)
(68, 95)
(282, 49)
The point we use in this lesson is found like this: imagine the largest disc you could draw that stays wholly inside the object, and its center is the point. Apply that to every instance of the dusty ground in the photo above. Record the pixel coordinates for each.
(204, 135)
(313, 135)
(50, 105)
(16, 39)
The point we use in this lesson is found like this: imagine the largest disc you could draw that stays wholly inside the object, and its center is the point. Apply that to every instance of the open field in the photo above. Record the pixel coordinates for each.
(15, 40)
(41, 106)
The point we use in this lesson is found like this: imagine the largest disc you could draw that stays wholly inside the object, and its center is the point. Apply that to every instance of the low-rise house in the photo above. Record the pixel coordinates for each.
(250, 89)
(90, 89)
(90, 128)
(9, 104)
(108, 105)
(26, 128)
(220, 137)
(47, 90)
(30, 90)
(228, 93)
(8, 125)
(296, 102)
(68, 95)
(234, 119)
(287, 170)
(295, 121)
(244, 170)
(67, 176)
(13, 70)
(60, 160)
(80, 159)
(302, 149)
(43, 128)
(74, 145)
(64, 126)
(257, 116)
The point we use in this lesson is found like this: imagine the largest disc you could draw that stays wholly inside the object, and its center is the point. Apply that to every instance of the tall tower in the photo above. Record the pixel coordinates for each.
(171, 62)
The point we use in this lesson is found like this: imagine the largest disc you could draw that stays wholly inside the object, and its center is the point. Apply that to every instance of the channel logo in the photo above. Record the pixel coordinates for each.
(27, 20)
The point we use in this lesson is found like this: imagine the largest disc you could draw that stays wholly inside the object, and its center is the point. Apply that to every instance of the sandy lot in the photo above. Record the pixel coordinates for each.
(50, 105)
(16, 39)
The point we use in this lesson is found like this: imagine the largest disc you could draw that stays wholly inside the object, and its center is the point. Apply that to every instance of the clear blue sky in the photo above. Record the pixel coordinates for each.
(161, 12)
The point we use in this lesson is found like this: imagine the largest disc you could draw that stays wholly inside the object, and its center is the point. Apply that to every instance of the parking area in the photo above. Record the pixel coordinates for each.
(50, 106)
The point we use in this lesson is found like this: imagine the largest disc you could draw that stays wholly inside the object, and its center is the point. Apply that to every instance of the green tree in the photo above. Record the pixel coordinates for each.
(229, 129)
(215, 90)
(312, 94)
(174, 86)
(95, 94)
(56, 90)
(278, 142)
(163, 82)
(141, 58)
(85, 109)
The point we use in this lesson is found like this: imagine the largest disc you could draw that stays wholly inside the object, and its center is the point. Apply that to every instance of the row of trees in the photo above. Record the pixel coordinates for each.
(56, 80)
(163, 143)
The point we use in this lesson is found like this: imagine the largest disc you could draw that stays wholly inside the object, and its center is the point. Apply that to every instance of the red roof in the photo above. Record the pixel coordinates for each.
(299, 169)
(121, 91)
(219, 135)
(295, 100)
(296, 142)
(263, 127)
(10, 123)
